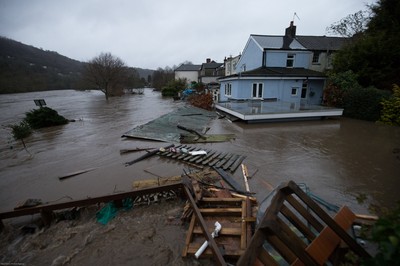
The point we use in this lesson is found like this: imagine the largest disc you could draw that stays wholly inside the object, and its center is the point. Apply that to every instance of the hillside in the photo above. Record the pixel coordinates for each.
(26, 68)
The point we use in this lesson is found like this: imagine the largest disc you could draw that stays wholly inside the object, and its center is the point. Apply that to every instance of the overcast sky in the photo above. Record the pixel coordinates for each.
(160, 33)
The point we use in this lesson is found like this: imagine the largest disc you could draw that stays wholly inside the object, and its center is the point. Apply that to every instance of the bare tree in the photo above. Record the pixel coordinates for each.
(351, 25)
(107, 73)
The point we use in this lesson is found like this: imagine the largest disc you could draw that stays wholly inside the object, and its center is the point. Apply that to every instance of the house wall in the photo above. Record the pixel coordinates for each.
(274, 89)
(278, 58)
(189, 75)
(323, 64)
(251, 58)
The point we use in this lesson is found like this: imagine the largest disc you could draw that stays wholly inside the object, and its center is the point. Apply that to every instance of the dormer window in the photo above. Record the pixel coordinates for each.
(290, 60)
(315, 59)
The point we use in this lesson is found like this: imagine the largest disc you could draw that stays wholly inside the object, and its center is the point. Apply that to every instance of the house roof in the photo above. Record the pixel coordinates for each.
(278, 72)
(277, 42)
(211, 65)
(323, 43)
(188, 67)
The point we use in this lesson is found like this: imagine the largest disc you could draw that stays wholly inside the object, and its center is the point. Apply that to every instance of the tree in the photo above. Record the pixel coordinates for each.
(375, 55)
(21, 131)
(107, 73)
(353, 24)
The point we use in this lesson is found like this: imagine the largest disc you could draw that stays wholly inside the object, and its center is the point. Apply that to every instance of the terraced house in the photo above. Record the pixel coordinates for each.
(286, 68)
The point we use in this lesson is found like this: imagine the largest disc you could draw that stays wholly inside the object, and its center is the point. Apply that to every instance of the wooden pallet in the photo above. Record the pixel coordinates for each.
(236, 217)
(296, 230)
(223, 160)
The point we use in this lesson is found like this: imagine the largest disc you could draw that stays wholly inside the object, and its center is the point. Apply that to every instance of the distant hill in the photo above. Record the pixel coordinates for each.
(26, 68)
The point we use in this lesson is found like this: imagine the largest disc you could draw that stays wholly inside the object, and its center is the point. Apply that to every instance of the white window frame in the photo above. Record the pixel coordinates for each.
(290, 58)
(316, 58)
(296, 90)
(259, 87)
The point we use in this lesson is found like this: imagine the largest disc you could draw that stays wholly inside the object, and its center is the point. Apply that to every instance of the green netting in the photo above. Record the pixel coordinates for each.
(165, 127)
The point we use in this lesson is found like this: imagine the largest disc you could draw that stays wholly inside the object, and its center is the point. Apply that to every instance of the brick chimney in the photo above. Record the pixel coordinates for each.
(291, 30)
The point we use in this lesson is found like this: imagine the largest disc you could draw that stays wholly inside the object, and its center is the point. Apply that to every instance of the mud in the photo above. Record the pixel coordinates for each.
(338, 159)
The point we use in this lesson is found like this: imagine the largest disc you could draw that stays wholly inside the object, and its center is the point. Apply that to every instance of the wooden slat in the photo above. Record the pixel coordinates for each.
(215, 155)
(211, 242)
(230, 161)
(305, 213)
(228, 231)
(244, 231)
(326, 242)
(352, 243)
(237, 163)
(266, 259)
(209, 154)
(226, 211)
(297, 223)
(224, 160)
(189, 236)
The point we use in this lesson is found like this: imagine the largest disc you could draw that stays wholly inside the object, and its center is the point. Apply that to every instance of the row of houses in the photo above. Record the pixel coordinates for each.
(287, 68)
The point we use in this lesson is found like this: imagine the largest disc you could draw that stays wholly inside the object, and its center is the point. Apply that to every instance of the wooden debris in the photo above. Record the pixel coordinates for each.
(75, 173)
(123, 151)
(226, 161)
(147, 155)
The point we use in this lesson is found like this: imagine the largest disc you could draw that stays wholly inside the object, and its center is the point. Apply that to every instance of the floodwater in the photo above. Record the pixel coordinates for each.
(338, 159)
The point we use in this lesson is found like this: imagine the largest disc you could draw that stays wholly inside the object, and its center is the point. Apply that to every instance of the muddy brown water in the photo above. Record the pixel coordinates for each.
(337, 159)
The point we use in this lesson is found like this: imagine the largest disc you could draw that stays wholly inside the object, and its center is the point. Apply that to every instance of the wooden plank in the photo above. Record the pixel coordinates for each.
(326, 242)
(257, 241)
(228, 179)
(226, 201)
(266, 259)
(227, 231)
(216, 160)
(224, 160)
(243, 227)
(230, 161)
(305, 213)
(249, 213)
(225, 211)
(207, 161)
(280, 247)
(196, 157)
(236, 164)
(189, 236)
(228, 251)
(297, 223)
(89, 201)
(209, 154)
(211, 242)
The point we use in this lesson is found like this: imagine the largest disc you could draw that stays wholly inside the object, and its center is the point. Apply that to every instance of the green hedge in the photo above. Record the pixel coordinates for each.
(364, 103)
(390, 114)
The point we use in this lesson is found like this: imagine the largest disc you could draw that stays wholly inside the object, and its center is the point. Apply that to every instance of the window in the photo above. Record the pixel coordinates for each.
(228, 89)
(294, 91)
(257, 90)
(315, 59)
(290, 60)
(304, 90)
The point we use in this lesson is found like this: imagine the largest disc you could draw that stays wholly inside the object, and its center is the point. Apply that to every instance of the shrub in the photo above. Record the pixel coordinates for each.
(174, 87)
(21, 131)
(364, 103)
(44, 117)
(386, 233)
(390, 114)
(204, 100)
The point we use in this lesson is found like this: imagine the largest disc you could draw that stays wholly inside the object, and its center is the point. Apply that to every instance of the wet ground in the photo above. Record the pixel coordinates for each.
(339, 159)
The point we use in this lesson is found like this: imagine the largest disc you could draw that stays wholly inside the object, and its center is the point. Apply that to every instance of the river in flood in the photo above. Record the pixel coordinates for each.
(338, 159)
